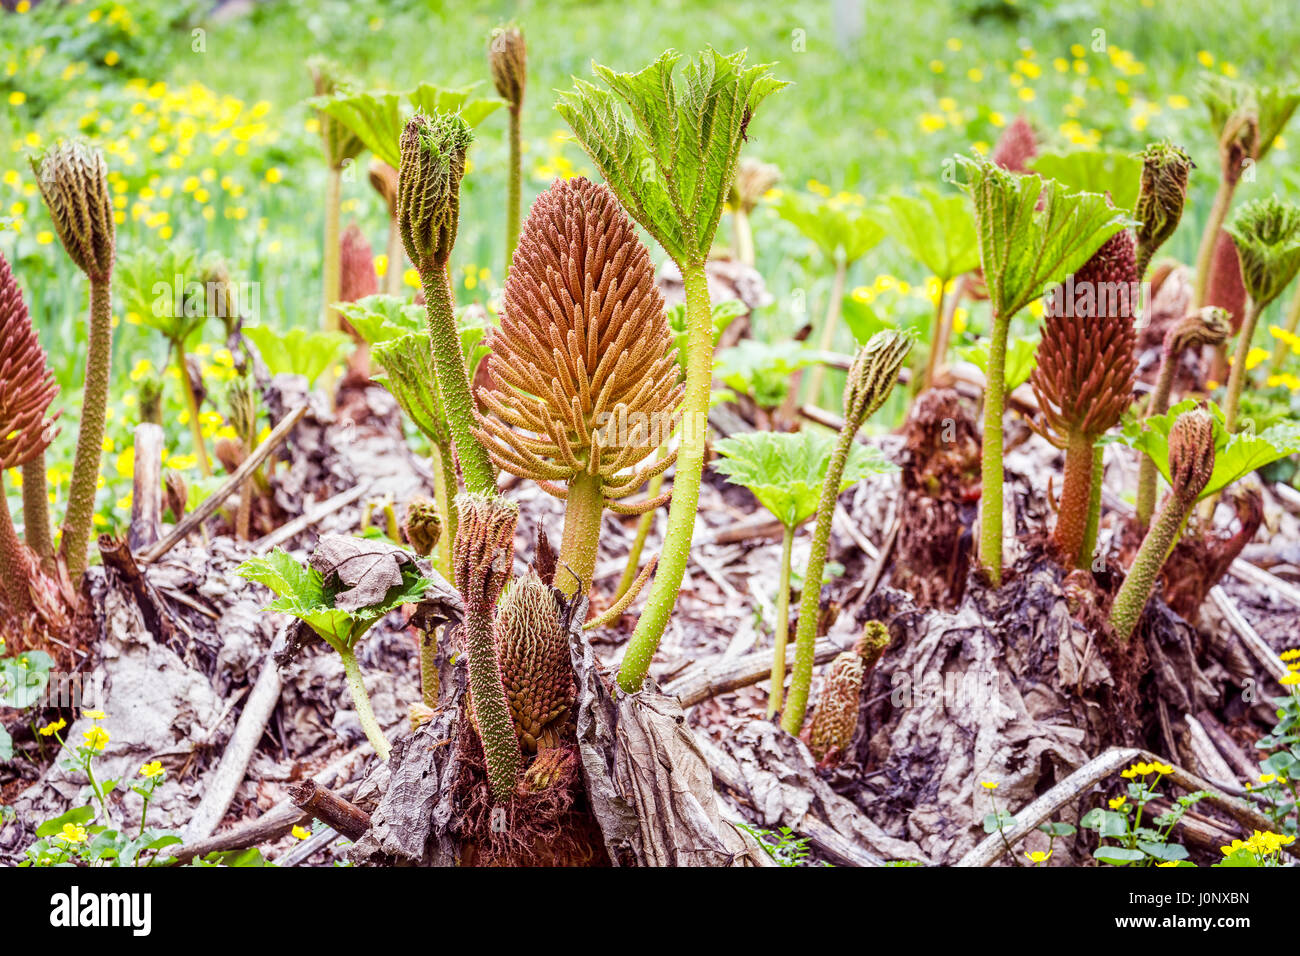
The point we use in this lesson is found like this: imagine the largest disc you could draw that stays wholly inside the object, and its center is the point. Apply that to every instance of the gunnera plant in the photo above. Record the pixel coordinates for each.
(675, 186)
(26, 429)
(341, 146)
(428, 208)
(1031, 233)
(533, 647)
(1084, 374)
(870, 380)
(586, 378)
(1161, 196)
(1267, 235)
(1015, 147)
(73, 180)
(508, 61)
(1191, 462)
(1207, 326)
(483, 553)
(836, 716)
(1247, 118)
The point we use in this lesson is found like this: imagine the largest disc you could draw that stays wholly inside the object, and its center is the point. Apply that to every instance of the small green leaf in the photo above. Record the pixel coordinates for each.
(1022, 356)
(785, 471)
(938, 231)
(764, 370)
(1094, 171)
(1235, 455)
(285, 577)
(298, 351)
(381, 318)
(1117, 855)
(1163, 851)
(6, 745)
(837, 228)
(76, 816)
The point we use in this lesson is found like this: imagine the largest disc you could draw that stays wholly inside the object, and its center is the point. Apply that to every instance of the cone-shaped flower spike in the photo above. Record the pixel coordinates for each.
(1207, 326)
(422, 527)
(870, 380)
(1191, 462)
(1084, 375)
(1165, 169)
(74, 183)
(675, 186)
(1267, 234)
(26, 390)
(1016, 147)
(534, 653)
(483, 553)
(836, 716)
(587, 379)
(428, 211)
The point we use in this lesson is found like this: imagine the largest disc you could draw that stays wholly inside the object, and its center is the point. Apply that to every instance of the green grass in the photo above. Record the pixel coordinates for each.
(872, 110)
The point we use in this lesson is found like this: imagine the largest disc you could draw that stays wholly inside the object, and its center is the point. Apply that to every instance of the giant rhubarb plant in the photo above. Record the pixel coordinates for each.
(508, 60)
(1208, 326)
(74, 183)
(1161, 196)
(870, 380)
(341, 146)
(1191, 463)
(483, 553)
(587, 383)
(433, 162)
(1031, 233)
(1267, 235)
(533, 647)
(1247, 119)
(1084, 376)
(785, 472)
(26, 390)
(672, 166)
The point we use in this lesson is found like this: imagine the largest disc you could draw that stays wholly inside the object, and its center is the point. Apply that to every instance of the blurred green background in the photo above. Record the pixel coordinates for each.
(200, 115)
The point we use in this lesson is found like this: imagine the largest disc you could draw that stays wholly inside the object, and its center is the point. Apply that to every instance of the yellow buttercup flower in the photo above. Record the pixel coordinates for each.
(152, 769)
(96, 738)
(1038, 856)
(301, 832)
(72, 833)
(53, 727)
(988, 785)
(94, 714)
(1117, 802)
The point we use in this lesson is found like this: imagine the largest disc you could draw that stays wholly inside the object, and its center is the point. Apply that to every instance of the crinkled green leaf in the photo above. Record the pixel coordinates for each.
(1266, 233)
(1235, 455)
(763, 370)
(379, 318)
(147, 283)
(299, 351)
(837, 229)
(672, 161)
(938, 231)
(1101, 171)
(1024, 249)
(1272, 105)
(785, 470)
(287, 579)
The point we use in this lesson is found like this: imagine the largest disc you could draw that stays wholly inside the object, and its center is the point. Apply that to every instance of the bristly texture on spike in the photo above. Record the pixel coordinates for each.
(74, 183)
(1084, 374)
(508, 60)
(26, 383)
(1191, 454)
(1165, 170)
(484, 549)
(1016, 146)
(428, 199)
(836, 717)
(422, 527)
(587, 379)
(534, 653)
(1224, 287)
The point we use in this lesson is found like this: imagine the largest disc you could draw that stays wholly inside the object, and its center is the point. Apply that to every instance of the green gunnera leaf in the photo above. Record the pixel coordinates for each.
(938, 231)
(837, 227)
(670, 157)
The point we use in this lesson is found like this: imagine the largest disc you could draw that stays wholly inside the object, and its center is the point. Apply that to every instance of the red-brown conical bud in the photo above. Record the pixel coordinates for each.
(1224, 287)
(1016, 146)
(357, 277)
(508, 61)
(585, 375)
(1086, 362)
(26, 382)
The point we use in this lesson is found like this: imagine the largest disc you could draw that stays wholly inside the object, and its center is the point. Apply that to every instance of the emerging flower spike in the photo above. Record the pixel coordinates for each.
(428, 192)
(357, 277)
(1084, 374)
(534, 654)
(1165, 170)
(338, 140)
(422, 527)
(836, 717)
(74, 184)
(1224, 288)
(1191, 462)
(26, 383)
(753, 179)
(1016, 146)
(508, 61)
(483, 552)
(586, 378)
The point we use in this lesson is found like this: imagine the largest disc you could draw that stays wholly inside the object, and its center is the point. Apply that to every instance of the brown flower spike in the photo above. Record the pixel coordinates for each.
(836, 718)
(586, 379)
(26, 383)
(1084, 376)
(534, 655)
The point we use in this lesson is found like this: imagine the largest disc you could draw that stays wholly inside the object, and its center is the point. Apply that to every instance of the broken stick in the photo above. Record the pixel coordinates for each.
(331, 809)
